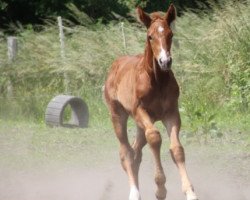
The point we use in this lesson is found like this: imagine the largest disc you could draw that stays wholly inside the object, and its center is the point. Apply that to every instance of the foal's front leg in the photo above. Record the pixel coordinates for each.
(119, 119)
(172, 123)
(154, 140)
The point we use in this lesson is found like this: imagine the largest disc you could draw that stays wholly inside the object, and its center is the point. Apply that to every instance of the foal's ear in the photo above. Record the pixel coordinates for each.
(144, 17)
(171, 14)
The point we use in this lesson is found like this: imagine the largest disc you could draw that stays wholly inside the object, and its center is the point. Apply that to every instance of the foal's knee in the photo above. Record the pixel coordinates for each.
(153, 138)
(177, 153)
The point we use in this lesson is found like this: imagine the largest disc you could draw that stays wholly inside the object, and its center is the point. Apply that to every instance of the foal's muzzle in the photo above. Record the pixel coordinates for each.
(165, 64)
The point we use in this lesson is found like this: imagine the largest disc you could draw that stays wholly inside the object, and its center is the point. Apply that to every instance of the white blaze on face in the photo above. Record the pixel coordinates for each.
(160, 29)
(163, 56)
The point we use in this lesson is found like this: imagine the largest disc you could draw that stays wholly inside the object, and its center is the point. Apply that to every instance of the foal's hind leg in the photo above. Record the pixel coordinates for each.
(139, 142)
(119, 119)
(172, 123)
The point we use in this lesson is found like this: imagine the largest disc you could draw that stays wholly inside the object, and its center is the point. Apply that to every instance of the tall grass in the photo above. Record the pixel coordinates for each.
(211, 61)
(213, 66)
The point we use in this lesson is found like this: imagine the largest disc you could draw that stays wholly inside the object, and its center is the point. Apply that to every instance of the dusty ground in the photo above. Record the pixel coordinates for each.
(40, 163)
(215, 177)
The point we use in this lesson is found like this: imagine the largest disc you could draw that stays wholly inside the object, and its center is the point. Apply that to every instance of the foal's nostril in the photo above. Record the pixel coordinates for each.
(160, 60)
(169, 63)
(165, 62)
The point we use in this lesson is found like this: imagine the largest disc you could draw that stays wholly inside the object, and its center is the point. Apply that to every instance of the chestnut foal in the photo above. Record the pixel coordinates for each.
(144, 87)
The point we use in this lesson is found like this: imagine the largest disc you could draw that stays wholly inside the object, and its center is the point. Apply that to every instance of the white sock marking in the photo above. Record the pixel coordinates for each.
(134, 193)
(191, 195)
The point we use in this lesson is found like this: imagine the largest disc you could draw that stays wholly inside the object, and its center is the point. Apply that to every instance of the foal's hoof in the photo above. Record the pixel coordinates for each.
(191, 195)
(160, 198)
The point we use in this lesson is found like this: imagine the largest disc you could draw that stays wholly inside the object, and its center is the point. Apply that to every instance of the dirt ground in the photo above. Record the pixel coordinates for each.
(215, 176)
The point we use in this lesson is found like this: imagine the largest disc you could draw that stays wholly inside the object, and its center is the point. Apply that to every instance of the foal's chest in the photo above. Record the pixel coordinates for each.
(158, 101)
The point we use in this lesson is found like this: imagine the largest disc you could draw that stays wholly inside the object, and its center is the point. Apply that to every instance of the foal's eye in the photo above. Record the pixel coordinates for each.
(150, 37)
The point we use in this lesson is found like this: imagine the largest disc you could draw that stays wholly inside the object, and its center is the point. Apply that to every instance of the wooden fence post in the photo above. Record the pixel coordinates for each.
(12, 53)
(123, 36)
(12, 48)
(62, 46)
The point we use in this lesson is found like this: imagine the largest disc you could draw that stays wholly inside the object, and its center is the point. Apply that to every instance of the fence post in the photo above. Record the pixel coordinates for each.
(12, 48)
(62, 46)
(123, 36)
(12, 53)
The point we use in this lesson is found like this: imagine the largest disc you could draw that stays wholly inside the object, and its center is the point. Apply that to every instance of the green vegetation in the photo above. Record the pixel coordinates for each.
(24, 145)
(215, 74)
(27, 145)
(211, 63)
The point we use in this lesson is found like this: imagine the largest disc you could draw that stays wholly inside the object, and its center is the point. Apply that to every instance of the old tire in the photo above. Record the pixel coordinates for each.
(55, 111)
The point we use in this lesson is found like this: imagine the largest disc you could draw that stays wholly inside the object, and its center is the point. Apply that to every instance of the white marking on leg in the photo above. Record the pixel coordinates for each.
(134, 193)
(191, 195)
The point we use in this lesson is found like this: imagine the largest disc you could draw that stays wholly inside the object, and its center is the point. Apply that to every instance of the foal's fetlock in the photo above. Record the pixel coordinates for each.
(160, 181)
(161, 192)
(186, 187)
(134, 193)
(190, 194)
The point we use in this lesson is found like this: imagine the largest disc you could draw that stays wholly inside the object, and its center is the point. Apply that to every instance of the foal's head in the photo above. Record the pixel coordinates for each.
(159, 35)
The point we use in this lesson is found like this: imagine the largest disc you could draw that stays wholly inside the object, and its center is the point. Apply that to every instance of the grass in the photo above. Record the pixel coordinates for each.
(213, 68)
(27, 145)
(30, 145)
